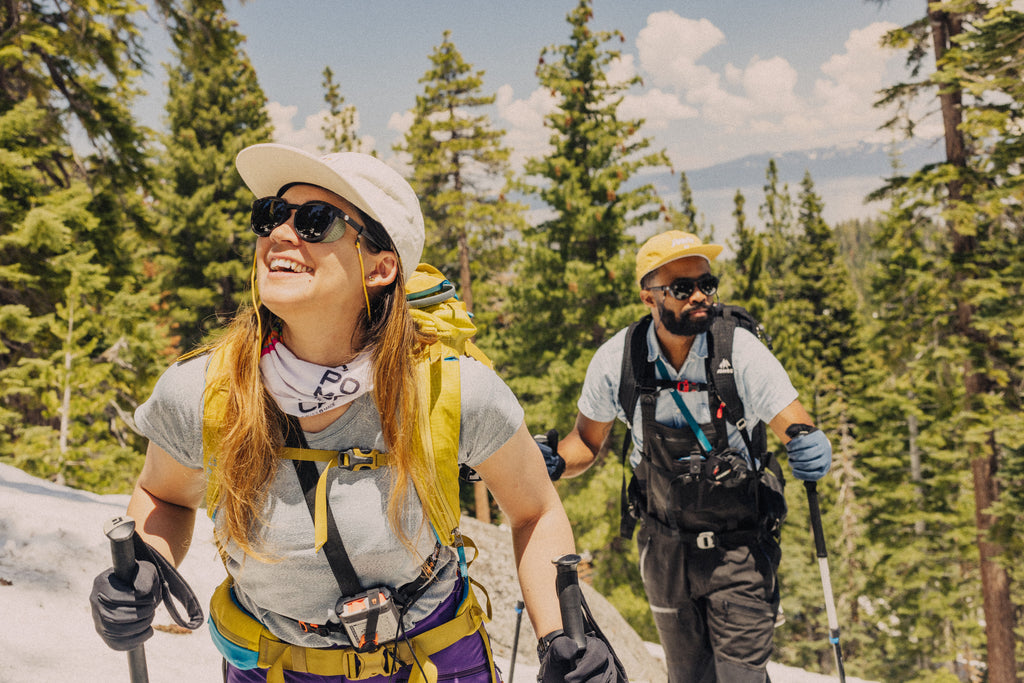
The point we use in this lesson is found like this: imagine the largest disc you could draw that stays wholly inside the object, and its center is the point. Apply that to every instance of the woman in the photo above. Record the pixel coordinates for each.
(327, 360)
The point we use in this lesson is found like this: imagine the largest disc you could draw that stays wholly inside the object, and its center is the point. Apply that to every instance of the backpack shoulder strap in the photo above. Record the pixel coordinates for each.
(634, 366)
(721, 374)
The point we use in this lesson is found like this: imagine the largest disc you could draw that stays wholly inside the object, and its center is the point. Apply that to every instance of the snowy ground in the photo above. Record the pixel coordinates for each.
(52, 545)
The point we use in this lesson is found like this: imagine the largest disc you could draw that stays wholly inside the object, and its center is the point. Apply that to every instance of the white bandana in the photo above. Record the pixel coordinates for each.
(306, 389)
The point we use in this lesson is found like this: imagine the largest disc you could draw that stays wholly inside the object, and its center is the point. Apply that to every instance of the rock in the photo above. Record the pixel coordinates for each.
(494, 568)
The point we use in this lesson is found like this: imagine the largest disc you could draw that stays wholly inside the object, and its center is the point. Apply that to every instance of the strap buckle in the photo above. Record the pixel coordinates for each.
(706, 540)
(684, 385)
(320, 630)
(354, 459)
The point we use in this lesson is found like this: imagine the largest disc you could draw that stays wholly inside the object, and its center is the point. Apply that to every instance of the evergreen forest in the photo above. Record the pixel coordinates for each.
(123, 247)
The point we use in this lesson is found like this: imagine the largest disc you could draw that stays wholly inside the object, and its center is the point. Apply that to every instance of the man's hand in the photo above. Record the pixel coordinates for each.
(548, 444)
(810, 452)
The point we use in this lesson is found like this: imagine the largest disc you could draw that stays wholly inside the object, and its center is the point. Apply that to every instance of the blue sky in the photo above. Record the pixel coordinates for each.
(722, 78)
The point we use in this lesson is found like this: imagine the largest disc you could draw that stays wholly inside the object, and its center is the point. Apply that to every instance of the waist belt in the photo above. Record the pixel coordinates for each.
(705, 540)
(232, 624)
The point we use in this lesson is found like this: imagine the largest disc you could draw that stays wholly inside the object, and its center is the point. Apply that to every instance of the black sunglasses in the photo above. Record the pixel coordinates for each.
(683, 288)
(314, 221)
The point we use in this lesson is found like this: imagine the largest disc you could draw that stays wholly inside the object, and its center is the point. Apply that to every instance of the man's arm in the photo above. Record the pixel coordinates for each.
(580, 447)
(794, 413)
(809, 450)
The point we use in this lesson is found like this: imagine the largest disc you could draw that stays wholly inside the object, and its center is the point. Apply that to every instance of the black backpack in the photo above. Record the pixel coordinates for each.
(637, 375)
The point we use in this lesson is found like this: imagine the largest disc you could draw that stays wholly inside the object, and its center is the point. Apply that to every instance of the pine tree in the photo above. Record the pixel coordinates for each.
(748, 281)
(686, 217)
(824, 359)
(459, 170)
(574, 283)
(215, 108)
(74, 294)
(976, 191)
(342, 121)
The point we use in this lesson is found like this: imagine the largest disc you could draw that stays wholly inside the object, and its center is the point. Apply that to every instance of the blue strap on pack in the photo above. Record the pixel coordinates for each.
(690, 420)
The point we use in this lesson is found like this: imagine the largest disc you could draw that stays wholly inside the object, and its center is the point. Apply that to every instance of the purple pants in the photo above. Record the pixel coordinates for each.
(464, 661)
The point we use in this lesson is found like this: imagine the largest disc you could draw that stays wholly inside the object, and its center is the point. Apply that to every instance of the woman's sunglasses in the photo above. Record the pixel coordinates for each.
(314, 221)
(683, 288)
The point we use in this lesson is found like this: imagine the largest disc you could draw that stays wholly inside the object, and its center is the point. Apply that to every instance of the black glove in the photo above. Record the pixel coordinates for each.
(548, 444)
(566, 662)
(123, 613)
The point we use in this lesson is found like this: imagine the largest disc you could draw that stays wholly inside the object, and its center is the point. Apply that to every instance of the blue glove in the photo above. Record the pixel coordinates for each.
(810, 452)
(548, 444)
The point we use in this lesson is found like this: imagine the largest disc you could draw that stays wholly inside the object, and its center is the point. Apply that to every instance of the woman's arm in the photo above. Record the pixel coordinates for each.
(164, 503)
(518, 479)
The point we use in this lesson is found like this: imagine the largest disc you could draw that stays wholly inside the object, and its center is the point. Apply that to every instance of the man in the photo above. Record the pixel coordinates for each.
(708, 556)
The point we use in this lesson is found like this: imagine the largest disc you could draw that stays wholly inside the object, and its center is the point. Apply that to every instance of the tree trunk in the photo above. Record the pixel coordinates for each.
(995, 581)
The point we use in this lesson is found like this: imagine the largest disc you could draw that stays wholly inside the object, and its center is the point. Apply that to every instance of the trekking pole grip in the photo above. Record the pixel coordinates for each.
(570, 598)
(120, 531)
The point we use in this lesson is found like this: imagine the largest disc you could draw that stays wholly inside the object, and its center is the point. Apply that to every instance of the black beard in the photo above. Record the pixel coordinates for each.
(684, 324)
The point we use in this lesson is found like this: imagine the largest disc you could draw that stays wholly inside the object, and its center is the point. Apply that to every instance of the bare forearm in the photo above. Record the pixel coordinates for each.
(536, 545)
(165, 526)
(581, 446)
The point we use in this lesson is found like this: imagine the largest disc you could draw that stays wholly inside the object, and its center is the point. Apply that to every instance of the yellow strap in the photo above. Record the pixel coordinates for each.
(353, 459)
(320, 518)
(278, 656)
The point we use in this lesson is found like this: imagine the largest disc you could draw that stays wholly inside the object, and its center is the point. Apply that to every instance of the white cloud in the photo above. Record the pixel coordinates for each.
(765, 104)
(310, 136)
(669, 47)
(523, 121)
(770, 85)
(621, 70)
(657, 107)
(401, 121)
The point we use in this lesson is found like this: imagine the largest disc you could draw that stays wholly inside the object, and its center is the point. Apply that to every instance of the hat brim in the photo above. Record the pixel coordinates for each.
(266, 168)
(709, 252)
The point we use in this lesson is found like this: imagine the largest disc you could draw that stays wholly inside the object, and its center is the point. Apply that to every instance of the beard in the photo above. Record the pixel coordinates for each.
(684, 324)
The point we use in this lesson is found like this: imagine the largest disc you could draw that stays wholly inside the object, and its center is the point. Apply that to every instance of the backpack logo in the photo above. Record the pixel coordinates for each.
(724, 367)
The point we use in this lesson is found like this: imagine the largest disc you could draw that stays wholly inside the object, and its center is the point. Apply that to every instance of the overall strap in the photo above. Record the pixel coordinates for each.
(634, 370)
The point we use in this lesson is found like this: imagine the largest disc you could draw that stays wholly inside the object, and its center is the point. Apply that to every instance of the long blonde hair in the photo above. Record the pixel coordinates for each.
(252, 427)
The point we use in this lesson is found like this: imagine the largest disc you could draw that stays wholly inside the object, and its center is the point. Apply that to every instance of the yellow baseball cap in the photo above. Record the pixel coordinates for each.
(669, 246)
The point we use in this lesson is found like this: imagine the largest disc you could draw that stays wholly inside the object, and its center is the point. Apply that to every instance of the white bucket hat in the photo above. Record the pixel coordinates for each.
(371, 185)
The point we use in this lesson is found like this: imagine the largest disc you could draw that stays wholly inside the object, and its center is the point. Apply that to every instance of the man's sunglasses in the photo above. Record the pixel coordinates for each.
(314, 221)
(683, 288)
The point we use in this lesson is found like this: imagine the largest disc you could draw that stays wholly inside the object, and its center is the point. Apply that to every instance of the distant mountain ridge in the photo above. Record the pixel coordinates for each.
(825, 164)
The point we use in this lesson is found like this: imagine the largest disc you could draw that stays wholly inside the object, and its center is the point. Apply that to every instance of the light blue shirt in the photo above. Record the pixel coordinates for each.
(763, 385)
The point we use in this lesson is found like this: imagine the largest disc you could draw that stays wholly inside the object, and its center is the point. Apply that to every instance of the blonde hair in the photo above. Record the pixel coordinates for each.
(252, 426)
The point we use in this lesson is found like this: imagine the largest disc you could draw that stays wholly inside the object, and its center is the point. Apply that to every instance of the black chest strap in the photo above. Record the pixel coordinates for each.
(334, 548)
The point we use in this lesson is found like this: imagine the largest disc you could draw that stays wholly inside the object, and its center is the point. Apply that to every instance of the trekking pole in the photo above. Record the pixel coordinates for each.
(122, 549)
(826, 582)
(515, 640)
(570, 598)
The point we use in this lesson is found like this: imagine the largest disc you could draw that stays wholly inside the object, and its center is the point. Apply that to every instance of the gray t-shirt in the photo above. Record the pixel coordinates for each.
(298, 584)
